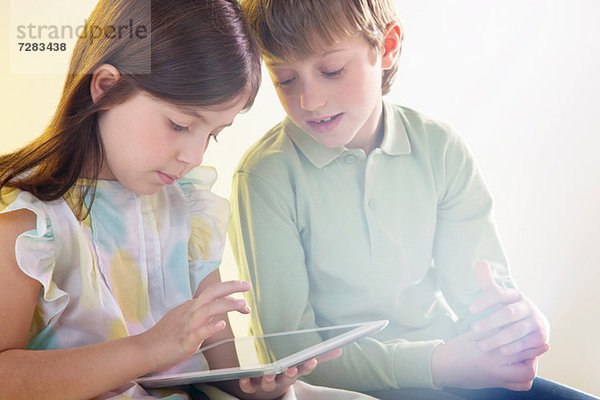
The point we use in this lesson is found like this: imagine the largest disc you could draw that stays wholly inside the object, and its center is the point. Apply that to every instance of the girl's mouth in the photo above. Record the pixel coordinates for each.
(166, 179)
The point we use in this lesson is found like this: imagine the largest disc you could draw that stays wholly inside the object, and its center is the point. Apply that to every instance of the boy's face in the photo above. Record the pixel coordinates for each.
(335, 94)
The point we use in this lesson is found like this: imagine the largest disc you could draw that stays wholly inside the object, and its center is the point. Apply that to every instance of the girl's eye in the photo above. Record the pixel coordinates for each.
(214, 135)
(333, 74)
(178, 127)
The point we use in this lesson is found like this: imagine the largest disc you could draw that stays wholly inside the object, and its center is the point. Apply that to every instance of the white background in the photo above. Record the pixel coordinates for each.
(520, 79)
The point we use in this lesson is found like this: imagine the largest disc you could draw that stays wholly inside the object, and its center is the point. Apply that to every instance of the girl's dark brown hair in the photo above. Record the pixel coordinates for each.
(185, 52)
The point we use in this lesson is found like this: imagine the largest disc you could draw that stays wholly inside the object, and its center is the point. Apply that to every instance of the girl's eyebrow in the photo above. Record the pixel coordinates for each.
(183, 109)
(191, 112)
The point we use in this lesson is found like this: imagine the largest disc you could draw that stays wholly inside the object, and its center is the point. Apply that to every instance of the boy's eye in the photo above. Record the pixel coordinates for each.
(214, 137)
(178, 128)
(333, 74)
(284, 83)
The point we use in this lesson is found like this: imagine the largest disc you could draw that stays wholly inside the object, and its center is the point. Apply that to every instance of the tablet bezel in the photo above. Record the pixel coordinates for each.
(162, 379)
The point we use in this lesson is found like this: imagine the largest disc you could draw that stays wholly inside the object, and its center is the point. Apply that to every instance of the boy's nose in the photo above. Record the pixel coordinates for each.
(311, 98)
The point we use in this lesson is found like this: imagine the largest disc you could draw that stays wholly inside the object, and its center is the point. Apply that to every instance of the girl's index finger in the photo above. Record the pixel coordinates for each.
(222, 289)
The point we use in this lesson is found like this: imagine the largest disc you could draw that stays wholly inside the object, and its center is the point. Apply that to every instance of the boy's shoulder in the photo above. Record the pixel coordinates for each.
(274, 151)
(427, 136)
(417, 124)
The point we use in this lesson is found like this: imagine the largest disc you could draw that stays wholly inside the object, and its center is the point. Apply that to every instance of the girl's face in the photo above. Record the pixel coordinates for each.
(149, 143)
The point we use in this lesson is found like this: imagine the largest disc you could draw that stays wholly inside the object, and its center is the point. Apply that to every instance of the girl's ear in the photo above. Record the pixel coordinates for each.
(103, 78)
(392, 43)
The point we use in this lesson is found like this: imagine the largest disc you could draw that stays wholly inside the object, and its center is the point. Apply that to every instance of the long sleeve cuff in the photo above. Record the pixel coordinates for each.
(412, 363)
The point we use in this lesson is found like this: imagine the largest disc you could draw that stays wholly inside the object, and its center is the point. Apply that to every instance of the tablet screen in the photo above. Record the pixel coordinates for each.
(261, 355)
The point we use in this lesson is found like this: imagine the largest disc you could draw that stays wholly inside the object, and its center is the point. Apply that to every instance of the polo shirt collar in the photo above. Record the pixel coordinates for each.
(395, 139)
(317, 154)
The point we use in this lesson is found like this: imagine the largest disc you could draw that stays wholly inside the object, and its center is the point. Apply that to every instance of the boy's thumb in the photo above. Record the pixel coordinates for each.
(483, 274)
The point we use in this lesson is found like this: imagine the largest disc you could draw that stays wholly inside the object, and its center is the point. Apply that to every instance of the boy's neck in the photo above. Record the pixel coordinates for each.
(372, 140)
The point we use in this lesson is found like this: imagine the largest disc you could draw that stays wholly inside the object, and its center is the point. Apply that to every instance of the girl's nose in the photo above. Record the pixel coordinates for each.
(192, 152)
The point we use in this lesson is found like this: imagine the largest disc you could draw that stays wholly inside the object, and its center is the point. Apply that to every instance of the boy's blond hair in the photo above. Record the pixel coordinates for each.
(293, 29)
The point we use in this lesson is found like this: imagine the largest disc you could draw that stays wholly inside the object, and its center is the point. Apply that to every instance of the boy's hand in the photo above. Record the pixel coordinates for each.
(502, 348)
(461, 363)
(276, 385)
(514, 325)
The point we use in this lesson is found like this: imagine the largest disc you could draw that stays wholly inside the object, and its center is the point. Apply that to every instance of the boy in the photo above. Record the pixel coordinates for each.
(354, 209)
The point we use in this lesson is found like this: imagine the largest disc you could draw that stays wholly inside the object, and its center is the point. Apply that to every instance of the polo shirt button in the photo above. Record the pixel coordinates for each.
(350, 159)
(372, 204)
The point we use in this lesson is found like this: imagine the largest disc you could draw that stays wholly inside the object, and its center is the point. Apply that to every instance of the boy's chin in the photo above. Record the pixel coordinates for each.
(332, 144)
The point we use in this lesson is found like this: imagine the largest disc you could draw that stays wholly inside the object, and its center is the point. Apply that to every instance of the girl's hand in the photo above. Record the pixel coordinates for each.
(514, 325)
(270, 386)
(183, 329)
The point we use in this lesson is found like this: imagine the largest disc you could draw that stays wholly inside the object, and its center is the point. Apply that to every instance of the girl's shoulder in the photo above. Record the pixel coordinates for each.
(38, 223)
(209, 217)
(27, 210)
(15, 223)
(196, 187)
(24, 208)
(197, 190)
(25, 225)
(200, 178)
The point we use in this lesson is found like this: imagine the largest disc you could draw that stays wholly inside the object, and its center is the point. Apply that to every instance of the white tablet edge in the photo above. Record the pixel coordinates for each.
(185, 378)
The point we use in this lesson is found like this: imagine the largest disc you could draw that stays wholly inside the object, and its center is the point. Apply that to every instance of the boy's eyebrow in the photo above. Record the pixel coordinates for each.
(331, 51)
(275, 63)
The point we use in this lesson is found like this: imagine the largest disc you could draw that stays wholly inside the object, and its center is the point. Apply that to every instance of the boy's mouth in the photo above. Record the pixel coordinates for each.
(324, 124)
(324, 120)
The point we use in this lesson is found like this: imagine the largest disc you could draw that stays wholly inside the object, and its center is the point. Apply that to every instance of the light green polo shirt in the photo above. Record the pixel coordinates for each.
(332, 236)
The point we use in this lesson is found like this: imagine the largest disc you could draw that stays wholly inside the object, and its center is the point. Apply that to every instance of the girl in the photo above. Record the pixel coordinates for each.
(102, 239)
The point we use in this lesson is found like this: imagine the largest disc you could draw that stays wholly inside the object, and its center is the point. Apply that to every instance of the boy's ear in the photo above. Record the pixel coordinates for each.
(392, 43)
(103, 78)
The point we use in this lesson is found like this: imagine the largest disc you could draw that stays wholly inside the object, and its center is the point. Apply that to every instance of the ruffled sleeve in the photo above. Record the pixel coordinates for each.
(35, 252)
(209, 219)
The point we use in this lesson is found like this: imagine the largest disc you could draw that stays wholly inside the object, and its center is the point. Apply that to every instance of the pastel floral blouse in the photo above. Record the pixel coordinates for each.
(117, 272)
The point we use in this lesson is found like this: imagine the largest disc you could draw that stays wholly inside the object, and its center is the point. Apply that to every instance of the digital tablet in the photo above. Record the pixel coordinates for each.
(256, 354)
